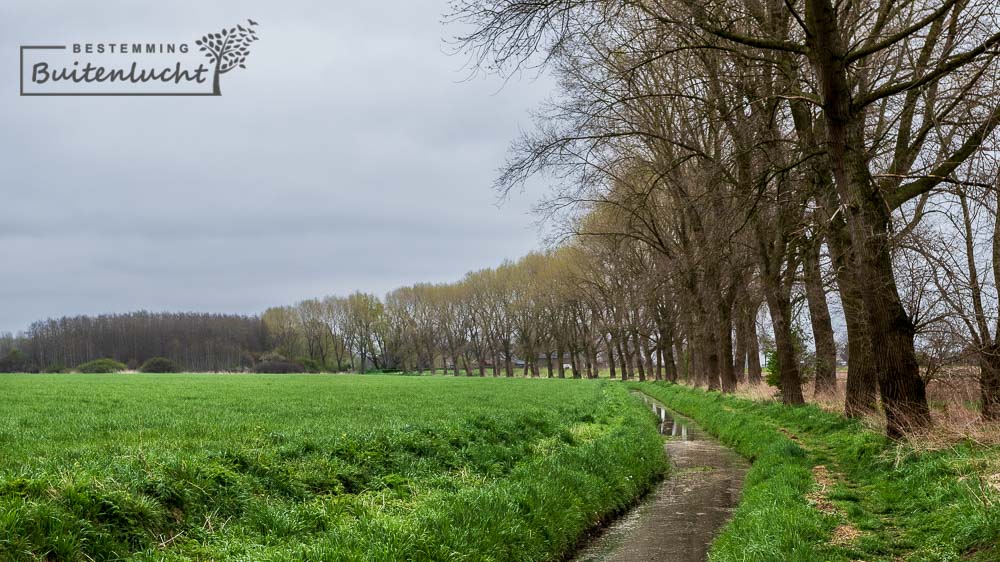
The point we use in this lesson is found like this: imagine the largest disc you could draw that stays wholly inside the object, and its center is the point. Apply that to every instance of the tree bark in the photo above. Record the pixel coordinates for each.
(626, 365)
(754, 371)
(727, 374)
(640, 355)
(862, 376)
(790, 381)
(989, 383)
(670, 363)
(665, 343)
(683, 356)
(740, 361)
(819, 317)
(711, 364)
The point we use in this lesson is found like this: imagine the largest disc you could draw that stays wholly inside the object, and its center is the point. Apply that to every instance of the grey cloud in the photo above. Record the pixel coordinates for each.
(351, 154)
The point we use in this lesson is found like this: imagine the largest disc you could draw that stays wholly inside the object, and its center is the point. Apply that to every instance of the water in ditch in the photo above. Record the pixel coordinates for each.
(677, 521)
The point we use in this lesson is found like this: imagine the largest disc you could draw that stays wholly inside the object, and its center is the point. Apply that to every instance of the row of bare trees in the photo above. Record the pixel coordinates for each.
(584, 307)
(740, 141)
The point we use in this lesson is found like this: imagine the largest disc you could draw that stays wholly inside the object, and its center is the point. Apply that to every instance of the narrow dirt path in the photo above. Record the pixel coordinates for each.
(678, 520)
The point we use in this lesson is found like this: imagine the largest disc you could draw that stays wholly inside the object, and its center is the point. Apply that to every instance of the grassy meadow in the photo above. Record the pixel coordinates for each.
(313, 467)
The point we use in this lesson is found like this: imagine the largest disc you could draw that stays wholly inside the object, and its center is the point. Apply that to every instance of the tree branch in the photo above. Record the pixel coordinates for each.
(943, 170)
(957, 62)
(896, 37)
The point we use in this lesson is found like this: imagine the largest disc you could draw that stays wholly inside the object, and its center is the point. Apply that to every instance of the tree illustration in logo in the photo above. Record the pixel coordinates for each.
(228, 49)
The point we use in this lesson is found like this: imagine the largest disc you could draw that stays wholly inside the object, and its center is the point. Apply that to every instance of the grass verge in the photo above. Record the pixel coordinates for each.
(269, 468)
(823, 487)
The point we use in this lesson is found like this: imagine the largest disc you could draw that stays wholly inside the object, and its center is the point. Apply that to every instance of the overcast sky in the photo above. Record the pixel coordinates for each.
(350, 154)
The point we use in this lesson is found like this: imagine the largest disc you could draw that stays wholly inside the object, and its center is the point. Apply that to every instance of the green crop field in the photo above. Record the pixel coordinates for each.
(258, 467)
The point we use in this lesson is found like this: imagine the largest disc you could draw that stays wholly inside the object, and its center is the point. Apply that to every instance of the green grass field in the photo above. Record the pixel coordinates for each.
(258, 467)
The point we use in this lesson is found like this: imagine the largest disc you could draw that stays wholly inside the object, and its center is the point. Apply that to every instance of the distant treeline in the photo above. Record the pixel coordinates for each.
(197, 342)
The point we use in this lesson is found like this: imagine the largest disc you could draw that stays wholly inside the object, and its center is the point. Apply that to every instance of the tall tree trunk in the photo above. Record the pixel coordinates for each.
(626, 365)
(669, 363)
(683, 357)
(611, 356)
(640, 355)
(904, 397)
(862, 375)
(697, 359)
(740, 361)
(665, 344)
(790, 381)
(819, 316)
(727, 374)
(712, 364)
(630, 352)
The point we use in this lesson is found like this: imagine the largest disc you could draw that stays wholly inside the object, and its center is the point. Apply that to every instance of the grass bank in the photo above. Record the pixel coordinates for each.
(824, 488)
(257, 467)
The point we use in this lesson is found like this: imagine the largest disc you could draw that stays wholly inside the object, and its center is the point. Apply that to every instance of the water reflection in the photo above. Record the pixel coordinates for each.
(670, 423)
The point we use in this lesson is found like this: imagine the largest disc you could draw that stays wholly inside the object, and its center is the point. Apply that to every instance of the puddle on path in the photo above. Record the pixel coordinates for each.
(677, 521)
